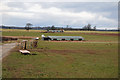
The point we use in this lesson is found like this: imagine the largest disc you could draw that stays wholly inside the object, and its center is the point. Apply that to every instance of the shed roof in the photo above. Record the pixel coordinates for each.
(55, 30)
(65, 36)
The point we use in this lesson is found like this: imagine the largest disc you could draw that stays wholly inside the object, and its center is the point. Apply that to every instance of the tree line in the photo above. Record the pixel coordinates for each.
(28, 26)
(86, 27)
(89, 28)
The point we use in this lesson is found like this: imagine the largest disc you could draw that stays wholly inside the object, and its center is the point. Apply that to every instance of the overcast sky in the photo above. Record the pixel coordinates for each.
(75, 14)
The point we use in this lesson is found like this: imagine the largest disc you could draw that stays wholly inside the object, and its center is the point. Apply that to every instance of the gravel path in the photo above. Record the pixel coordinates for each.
(5, 48)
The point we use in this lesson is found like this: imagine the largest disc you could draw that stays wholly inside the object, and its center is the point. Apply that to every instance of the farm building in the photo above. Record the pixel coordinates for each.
(63, 38)
(53, 31)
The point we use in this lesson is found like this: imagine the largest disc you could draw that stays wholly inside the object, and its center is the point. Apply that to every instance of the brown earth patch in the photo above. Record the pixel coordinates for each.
(70, 59)
(66, 52)
(105, 34)
(108, 34)
(19, 37)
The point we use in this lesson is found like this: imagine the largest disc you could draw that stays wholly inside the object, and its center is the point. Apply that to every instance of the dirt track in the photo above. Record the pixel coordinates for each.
(4, 49)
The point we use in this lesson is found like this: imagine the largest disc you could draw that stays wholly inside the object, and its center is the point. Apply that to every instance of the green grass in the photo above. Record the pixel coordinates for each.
(64, 59)
(38, 34)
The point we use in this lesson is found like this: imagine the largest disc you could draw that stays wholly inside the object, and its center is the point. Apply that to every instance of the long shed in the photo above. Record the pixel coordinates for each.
(63, 38)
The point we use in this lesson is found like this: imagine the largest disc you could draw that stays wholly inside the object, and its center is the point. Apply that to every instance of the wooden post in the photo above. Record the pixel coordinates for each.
(35, 43)
(25, 45)
(21, 45)
(31, 44)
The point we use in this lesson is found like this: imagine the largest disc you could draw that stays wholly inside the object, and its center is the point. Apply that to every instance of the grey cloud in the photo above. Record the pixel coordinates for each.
(107, 9)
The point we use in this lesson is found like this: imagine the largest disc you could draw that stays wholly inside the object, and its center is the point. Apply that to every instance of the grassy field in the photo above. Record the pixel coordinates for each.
(67, 33)
(64, 59)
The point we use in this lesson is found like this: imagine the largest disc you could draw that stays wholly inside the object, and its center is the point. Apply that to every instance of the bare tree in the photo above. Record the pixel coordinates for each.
(94, 28)
(67, 26)
(89, 26)
(85, 27)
